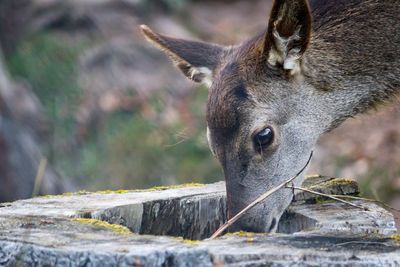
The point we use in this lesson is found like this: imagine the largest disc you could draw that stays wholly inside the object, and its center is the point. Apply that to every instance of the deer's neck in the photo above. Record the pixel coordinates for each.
(353, 60)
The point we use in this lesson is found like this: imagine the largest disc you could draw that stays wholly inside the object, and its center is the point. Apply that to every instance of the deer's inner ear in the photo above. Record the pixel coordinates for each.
(196, 60)
(288, 34)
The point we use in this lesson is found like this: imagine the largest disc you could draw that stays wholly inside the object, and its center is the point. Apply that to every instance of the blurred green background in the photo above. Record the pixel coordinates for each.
(126, 149)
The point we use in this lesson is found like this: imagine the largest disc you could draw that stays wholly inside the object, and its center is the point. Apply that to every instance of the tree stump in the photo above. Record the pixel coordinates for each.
(166, 227)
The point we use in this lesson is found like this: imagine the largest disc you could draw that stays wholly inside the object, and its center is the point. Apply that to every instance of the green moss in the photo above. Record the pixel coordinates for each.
(395, 237)
(124, 191)
(335, 182)
(159, 188)
(340, 181)
(241, 234)
(120, 191)
(188, 241)
(152, 189)
(250, 237)
(66, 194)
(119, 229)
(311, 176)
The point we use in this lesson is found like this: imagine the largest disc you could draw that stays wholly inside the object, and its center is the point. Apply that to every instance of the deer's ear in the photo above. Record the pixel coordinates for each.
(288, 33)
(196, 60)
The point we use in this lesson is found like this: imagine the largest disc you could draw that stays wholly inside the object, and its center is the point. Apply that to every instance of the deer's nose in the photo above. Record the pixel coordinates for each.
(273, 225)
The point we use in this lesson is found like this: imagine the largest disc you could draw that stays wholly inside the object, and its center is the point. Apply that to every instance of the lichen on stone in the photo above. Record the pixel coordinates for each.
(165, 187)
(151, 189)
(311, 176)
(188, 241)
(250, 236)
(338, 181)
(124, 191)
(120, 191)
(119, 229)
(66, 194)
(395, 237)
(241, 234)
(335, 182)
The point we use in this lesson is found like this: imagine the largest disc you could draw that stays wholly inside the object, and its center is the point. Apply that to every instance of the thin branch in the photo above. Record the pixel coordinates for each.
(369, 200)
(349, 197)
(340, 199)
(328, 196)
(387, 206)
(257, 201)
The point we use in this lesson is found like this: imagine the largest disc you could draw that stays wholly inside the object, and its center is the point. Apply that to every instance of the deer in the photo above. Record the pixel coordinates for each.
(271, 97)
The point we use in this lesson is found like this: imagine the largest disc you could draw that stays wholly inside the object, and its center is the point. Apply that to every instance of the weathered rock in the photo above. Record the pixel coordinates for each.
(327, 185)
(48, 231)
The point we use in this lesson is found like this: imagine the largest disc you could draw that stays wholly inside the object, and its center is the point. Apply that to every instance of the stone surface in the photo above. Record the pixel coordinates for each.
(46, 232)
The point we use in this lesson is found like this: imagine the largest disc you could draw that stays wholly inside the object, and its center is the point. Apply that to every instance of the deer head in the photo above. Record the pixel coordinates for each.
(261, 122)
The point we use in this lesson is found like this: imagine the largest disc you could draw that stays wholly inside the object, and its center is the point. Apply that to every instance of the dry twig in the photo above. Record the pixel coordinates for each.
(341, 197)
(369, 200)
(387, 206)
(257, 201)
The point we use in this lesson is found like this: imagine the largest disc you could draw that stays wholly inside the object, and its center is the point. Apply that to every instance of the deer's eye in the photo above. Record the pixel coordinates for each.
(264, 138)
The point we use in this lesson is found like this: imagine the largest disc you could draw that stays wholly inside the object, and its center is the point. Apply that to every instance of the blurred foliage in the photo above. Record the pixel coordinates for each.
(175, 4)
(378, 184)
(137, 152)
(47, 63)
(129, 150)
(166, 5)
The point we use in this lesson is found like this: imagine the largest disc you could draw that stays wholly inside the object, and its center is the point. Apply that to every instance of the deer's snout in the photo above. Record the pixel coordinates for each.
(256, 221)
(243, 190)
